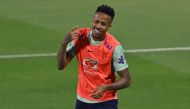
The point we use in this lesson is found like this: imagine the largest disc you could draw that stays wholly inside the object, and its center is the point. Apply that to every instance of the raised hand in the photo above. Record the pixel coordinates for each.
(73, 34)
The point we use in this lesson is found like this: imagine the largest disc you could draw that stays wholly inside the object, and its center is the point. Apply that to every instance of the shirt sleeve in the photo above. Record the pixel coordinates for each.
(119, 61)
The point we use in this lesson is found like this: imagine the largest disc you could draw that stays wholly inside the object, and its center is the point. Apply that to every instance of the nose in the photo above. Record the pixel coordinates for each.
(98, 25)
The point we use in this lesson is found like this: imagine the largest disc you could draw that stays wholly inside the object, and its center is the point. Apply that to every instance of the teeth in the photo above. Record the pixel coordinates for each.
(96, 30)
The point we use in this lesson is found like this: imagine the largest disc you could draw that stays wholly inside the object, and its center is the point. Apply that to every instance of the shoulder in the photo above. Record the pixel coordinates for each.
(111, 42)
(118, 49)
(112, 39)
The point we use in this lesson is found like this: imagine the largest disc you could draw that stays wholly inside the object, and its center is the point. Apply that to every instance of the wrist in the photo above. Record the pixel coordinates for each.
(106, 87)
(64, 44)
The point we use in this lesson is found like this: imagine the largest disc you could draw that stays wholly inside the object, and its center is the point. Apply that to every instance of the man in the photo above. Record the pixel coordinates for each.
(99, 57)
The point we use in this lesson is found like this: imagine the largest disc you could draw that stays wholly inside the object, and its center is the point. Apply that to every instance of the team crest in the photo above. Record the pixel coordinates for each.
(90, 66)
(90, 63)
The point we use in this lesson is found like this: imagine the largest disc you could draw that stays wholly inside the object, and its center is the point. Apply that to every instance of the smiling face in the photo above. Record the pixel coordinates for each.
(101, 23)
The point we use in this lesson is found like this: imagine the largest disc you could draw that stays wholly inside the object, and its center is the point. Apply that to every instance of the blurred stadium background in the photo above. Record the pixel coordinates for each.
(160, 80)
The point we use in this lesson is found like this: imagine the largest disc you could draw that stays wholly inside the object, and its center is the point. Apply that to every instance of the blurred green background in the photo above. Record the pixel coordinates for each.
(159, 79)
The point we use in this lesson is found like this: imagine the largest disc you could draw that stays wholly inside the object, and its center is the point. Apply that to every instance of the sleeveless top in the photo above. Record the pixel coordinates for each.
(94, 65)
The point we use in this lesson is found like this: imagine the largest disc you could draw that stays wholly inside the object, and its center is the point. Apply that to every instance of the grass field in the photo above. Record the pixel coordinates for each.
(160, 80)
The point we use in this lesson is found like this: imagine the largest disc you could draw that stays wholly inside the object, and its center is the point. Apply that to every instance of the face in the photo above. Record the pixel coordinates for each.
(101, 23)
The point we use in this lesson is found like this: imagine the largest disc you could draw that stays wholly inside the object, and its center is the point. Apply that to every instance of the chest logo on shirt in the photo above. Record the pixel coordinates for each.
(90, 66)
(90, 63)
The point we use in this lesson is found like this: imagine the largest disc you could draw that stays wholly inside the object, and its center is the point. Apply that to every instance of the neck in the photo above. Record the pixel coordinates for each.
(98, 38)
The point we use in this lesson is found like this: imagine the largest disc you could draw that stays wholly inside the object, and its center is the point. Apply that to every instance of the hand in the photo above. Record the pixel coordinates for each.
(73, 34)
(98, 91)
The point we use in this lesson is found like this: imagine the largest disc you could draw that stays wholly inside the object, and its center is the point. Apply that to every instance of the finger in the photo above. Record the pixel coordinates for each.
(96, 93)
(96, 96)
(75, 35)
(74, 28)
(94, 90)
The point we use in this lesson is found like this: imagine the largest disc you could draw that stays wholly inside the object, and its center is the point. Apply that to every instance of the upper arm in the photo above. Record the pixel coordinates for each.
(125, 76)
(124, 73)
(121, 65)
(119, 60)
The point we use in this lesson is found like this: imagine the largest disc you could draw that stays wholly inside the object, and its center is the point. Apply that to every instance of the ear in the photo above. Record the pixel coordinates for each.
(110, 25)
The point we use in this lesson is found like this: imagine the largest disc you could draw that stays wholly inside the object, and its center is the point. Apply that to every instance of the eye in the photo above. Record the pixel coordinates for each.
(103, 24)
(96, 21)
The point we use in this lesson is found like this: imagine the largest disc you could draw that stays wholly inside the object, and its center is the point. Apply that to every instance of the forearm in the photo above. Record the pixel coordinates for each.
(120, 84)
(123, 82)
(61, 57)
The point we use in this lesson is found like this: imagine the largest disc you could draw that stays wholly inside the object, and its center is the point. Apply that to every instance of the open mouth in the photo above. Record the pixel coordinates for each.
(96, 31)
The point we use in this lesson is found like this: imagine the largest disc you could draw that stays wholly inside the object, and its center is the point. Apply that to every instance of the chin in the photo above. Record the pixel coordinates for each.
(95, 35)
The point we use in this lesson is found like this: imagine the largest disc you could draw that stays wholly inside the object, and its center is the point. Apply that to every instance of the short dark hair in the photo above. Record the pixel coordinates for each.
(107, 10)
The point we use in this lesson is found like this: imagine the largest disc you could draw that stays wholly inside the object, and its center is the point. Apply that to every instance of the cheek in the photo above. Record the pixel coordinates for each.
(93, 25)
(105, 28)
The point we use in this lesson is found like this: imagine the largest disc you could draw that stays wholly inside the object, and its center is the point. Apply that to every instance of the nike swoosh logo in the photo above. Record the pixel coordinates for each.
(90, 51)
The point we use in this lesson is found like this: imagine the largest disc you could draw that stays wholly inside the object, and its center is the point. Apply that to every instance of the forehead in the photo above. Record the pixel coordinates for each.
(102, 16)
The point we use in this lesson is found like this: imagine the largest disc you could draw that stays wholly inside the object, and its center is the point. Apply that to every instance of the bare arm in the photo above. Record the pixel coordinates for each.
(123, 82)
(63, 58)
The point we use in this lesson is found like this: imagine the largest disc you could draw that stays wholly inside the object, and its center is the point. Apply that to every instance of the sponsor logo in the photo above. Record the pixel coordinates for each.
(90, 51)
(90, 63)
(121, 59)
